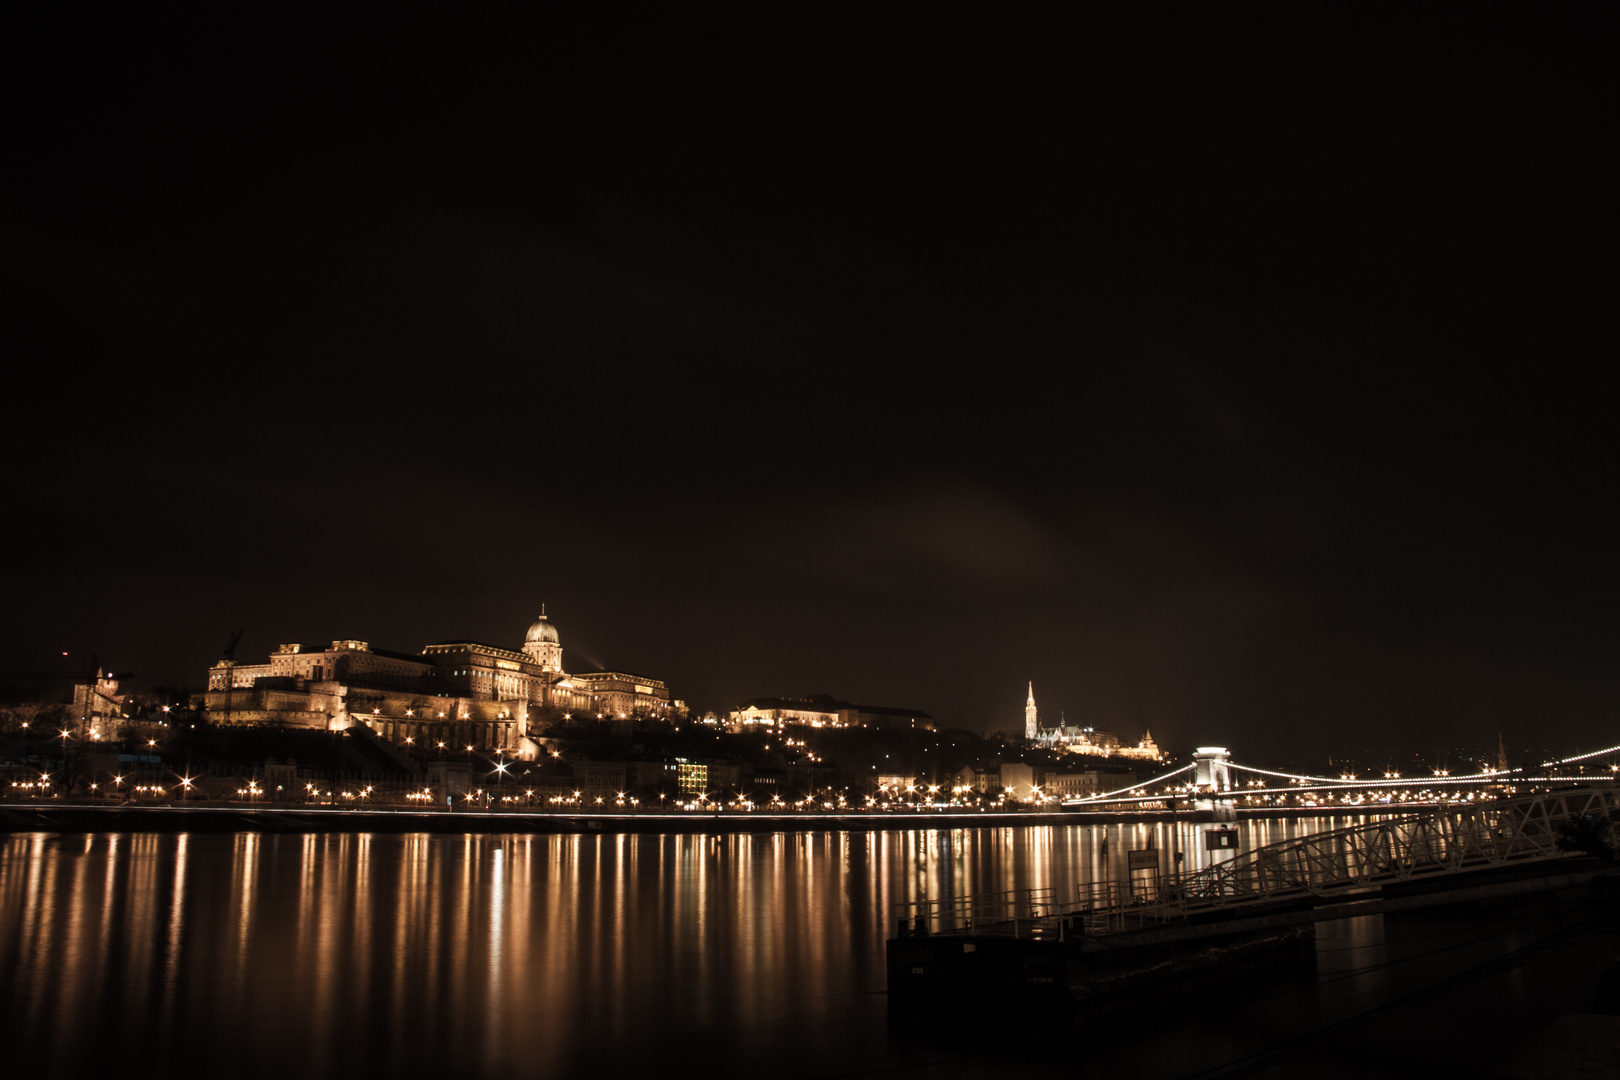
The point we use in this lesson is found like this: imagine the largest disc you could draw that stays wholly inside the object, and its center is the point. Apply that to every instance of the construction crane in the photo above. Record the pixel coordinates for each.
(230, 674)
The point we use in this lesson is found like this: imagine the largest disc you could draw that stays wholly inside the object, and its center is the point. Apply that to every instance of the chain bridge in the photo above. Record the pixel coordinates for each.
(1327, 874)
(1210, 775)
(1485, 835)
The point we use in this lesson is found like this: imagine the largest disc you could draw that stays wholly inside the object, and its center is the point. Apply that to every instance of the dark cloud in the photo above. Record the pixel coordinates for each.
(1239, 382)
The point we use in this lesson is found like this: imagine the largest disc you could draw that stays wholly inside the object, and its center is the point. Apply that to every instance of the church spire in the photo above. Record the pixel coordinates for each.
(1030, 724)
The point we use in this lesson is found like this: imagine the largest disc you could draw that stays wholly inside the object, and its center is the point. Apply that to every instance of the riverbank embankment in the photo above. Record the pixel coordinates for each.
(59, 816)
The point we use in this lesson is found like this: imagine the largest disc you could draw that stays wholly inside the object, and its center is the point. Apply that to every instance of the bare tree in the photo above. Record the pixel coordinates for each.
(31, 716)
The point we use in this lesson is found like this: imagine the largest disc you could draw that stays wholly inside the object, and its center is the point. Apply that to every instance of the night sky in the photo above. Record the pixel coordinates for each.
(1243, 379)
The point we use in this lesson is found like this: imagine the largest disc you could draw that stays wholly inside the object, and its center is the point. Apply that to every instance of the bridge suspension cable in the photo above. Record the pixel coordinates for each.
(1133, 787)
(1340, 781)
(1581, 757)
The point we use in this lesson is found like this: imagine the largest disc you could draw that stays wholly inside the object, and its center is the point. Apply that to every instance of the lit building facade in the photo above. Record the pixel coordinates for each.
(620, 695)
(1095, 743)
(1079, 785)
(98, 707)
(824, 711)
(453, 695)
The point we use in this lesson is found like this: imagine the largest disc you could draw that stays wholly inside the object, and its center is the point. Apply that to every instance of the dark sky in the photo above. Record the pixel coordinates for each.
(1245, 379)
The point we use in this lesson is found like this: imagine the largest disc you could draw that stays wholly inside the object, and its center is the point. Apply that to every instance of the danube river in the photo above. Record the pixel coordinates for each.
(347, 955)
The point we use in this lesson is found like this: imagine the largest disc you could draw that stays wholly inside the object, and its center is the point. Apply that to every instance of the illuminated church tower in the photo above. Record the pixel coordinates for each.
(1030, 727)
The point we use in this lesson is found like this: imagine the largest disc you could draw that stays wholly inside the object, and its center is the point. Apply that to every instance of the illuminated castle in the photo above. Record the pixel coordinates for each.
(459, 693)
(1083, 740)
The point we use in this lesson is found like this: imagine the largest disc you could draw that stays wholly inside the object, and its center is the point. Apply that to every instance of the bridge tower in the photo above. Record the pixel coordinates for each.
(1211, 768)
(1213, 774)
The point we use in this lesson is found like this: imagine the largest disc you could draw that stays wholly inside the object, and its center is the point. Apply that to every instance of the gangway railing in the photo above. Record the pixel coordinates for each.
(1447, 840)
(1000, 912)
(1112, 907)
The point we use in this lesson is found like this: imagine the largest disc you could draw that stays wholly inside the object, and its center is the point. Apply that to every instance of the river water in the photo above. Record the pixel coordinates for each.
(344, 955)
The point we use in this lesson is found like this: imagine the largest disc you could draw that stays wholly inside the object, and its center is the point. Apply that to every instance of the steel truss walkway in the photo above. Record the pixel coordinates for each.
(1345, 864)
(1451, 839)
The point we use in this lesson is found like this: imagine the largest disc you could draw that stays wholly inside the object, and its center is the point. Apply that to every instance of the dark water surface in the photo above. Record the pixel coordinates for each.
(625, 955)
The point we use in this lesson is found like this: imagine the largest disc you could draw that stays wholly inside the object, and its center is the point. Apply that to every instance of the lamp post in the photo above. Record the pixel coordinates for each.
(66, 775)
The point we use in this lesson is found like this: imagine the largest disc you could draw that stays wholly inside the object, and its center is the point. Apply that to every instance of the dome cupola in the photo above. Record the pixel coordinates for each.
(541, 631)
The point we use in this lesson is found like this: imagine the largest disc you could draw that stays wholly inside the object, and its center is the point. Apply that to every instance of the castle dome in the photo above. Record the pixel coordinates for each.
(542, 630)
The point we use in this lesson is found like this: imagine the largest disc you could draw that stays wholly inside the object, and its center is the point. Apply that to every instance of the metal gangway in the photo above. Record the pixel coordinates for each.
(1009, 912)
(1342, 864)
(1452, 839)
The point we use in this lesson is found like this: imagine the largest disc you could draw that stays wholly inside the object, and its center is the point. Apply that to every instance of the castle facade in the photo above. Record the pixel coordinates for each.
(452, 695)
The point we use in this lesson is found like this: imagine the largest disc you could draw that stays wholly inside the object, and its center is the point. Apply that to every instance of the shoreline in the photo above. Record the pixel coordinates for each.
(231, 817)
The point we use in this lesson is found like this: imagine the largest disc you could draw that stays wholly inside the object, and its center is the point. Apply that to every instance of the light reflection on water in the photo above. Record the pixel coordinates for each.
(351, 954)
